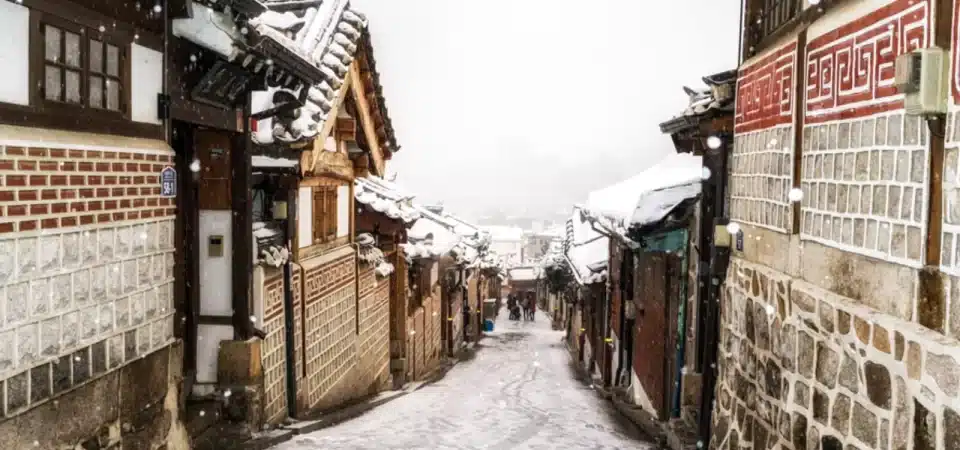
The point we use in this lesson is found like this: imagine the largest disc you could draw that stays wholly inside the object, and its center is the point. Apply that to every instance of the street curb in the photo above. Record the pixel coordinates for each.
(288, 432)
(641, 419)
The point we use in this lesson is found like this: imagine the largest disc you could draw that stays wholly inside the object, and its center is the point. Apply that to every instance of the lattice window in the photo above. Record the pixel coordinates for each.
(81, 67)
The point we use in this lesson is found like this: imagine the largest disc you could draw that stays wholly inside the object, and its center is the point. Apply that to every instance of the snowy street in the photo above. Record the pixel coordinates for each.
(518, 393)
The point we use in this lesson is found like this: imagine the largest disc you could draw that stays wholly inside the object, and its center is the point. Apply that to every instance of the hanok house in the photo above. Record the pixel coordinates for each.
(437, 236)
(842, 286)
(308, 127)
(646, 218)
(587, 256)
(87, 242)
(340, 273)
(384, 212)
(483, 271)
(697, 130)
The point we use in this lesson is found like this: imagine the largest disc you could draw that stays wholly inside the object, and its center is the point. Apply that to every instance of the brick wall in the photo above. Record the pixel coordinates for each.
(86, 266)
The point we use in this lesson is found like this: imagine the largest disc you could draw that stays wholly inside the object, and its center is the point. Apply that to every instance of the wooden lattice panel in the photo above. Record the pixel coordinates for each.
(274, 350)
(330, 325)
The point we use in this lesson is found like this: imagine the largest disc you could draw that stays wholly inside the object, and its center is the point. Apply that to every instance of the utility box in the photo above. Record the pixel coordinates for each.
(922, 77)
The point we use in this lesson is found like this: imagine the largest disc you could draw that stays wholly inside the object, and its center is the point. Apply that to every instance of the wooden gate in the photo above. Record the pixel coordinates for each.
(655, 336)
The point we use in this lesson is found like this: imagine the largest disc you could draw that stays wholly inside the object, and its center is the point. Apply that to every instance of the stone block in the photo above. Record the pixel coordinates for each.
(840, 416)
(878, 384)
(881, 339)
(925, 428)
(144, 382)
(828, 365)
(238, 362)
(864, 424)
(914, 360)
(849, 373)
(945, 371)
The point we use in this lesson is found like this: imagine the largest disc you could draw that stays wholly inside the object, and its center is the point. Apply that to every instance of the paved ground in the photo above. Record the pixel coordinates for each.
(518, 393)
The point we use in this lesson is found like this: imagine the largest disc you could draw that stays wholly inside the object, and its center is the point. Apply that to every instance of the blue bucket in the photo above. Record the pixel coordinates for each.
(488, 325)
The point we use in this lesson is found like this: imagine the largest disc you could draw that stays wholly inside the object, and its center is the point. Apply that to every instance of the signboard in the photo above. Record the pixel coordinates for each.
(168, 182)
(740, 241)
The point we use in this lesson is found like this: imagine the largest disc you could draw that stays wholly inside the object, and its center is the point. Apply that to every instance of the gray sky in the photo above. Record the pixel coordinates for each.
(526, 105)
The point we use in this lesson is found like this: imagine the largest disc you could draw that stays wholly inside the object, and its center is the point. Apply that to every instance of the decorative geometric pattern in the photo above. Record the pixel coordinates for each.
(100, 294)
(864, 185)
(761, 173)
(274, 349)
(850, 71)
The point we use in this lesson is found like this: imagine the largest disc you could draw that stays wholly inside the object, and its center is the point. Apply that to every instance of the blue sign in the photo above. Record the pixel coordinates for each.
(168, 182)
(740, 241)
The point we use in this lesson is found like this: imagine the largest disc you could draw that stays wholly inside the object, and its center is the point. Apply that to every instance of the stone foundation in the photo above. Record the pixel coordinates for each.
(135, 407)
(803, 368)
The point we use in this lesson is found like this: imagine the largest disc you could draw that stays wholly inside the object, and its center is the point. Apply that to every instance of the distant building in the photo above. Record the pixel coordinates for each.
(506, 242)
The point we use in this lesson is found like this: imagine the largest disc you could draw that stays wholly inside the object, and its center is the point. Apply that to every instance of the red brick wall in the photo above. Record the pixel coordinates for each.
(61, 187)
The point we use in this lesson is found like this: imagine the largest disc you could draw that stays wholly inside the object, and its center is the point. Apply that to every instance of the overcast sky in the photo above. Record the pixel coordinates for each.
(526, 105)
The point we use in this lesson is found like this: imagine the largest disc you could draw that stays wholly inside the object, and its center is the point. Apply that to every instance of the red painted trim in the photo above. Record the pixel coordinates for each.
(765, 92)
(850, 70)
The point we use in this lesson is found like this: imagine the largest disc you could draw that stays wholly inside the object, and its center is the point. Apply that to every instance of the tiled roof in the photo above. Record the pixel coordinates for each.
(387, 124)
(385, 197)
(326, 34)
(717, 96)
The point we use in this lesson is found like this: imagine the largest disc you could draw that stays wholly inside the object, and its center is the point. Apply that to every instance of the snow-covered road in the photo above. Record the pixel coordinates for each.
(518, 393)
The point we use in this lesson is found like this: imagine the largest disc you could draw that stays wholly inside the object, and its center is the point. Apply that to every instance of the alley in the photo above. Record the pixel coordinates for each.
(518, 393)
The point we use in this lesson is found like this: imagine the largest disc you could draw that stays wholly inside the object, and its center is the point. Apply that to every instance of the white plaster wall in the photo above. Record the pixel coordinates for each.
(15, 53)
(216, 274)
(305, 216)
(208, 347)
(146, 70)
(343, 211)
(639, 396)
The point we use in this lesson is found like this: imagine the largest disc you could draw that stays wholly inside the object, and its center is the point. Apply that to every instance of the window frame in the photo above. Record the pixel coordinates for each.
(324, 217)
(87, 36)
(40, 113)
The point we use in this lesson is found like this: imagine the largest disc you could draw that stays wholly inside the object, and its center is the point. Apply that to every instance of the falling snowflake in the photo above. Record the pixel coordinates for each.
(733, 228)
(795, 195)
(714, 142)
(195, 166)
(705, 174)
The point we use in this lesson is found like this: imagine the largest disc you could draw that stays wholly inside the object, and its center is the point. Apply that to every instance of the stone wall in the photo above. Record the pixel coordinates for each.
(86, 276)
(803, 368)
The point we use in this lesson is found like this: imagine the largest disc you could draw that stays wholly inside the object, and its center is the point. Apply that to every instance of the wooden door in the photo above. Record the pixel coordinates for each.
(213, 156)
(650, 346)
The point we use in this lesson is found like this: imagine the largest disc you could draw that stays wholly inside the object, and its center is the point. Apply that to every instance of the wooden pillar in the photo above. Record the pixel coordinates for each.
(242, 233)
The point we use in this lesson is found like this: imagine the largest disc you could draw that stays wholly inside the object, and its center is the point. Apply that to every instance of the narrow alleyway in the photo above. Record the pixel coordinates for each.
(518, 393)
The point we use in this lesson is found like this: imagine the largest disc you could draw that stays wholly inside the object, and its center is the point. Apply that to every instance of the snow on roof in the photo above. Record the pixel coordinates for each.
(587, 254)
(503, 233)
(385, 197)
(717, 96)
(266, 161)
(650, 195)
(523, 273)
(327, 37)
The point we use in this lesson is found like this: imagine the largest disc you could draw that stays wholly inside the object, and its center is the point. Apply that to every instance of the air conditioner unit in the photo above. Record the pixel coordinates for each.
(922, 76)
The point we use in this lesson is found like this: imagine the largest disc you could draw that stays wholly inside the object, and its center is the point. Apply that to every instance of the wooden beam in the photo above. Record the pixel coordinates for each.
(328, 125)
(366, 120)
